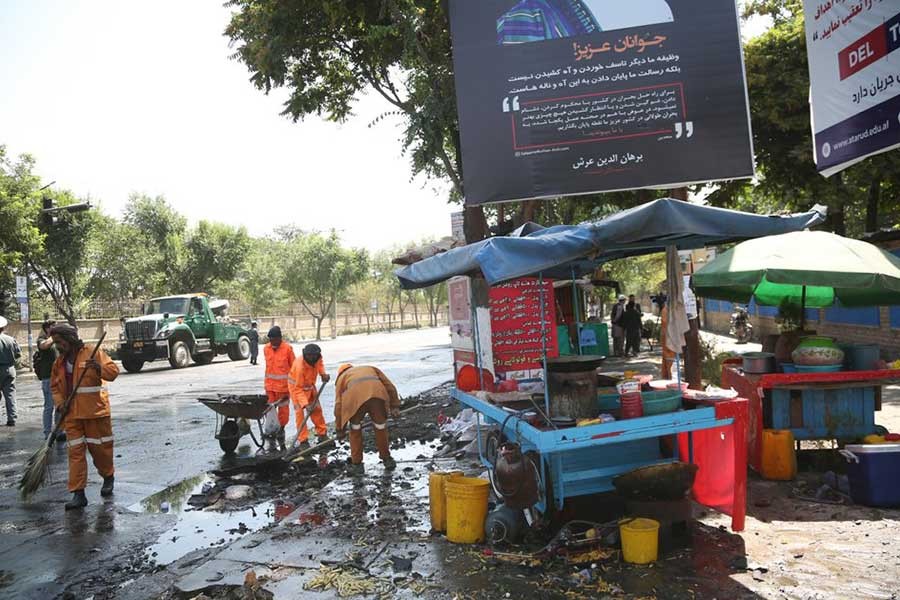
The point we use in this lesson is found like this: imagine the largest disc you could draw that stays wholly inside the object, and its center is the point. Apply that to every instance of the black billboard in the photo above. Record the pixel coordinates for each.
(560, 97)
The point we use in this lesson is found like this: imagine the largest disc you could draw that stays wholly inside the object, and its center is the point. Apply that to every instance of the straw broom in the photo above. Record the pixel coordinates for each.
(38, 466)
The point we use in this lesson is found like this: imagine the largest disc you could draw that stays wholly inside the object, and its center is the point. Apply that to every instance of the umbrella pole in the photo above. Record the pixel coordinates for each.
(544, 344)
(803, 309)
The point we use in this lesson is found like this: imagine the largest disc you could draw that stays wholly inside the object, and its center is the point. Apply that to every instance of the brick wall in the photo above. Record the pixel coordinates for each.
(883, 334)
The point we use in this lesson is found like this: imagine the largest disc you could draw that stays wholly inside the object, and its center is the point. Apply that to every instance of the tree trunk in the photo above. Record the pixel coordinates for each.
(318, 328)
(872, 202)
(368, 324)
(416, 313)
(474, 224)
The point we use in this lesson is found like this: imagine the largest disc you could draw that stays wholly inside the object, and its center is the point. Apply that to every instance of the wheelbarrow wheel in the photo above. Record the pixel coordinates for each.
(229, 436)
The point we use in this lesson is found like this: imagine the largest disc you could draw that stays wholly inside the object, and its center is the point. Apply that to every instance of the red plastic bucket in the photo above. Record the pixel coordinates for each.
(632, 405)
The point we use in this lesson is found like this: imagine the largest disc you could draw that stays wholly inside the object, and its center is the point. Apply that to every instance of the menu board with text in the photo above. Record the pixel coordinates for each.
(516, 328)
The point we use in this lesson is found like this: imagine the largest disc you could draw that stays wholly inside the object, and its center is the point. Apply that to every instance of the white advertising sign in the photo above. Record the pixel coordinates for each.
(854, 72)
(21, 288)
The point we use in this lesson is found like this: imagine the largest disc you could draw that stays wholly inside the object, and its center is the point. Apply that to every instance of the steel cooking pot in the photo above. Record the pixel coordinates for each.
(759, 362)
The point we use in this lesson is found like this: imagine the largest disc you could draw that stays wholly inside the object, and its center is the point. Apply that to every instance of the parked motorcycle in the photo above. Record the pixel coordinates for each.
(741, 328)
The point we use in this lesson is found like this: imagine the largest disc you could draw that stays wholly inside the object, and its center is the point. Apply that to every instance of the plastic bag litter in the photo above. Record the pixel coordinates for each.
(271, 426)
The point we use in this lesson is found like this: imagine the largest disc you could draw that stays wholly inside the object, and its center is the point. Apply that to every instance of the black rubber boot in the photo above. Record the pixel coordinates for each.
(281, 444)
(108, 482)
(78, 500)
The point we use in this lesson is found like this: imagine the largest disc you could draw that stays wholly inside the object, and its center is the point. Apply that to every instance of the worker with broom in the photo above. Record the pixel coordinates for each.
(279, 360)
(302, 384)
(87, 423)
(360, 391)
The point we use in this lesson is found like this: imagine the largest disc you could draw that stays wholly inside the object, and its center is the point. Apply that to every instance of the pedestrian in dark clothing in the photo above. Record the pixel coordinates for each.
(43, 366)
(632, 321)
(253, 335)
(9, 355)
(618, 328)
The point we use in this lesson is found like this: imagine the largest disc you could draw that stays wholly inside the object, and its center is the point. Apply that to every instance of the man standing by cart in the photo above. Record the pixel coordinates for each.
(279, 360)
(87, 423)
(302, 384)
(618, 329)
(9, 354)
(361, 391)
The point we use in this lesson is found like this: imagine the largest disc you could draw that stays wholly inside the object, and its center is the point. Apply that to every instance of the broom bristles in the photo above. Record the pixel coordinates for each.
(36, 470)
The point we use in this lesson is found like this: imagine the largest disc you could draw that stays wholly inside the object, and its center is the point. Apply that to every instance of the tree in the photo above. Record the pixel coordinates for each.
(59, 265)
(162, 230)
(326, 53)
(213, 254)
(123, 265)
(19, 233)
(319, 271)
(258, 282)
(435, 298)
(362, 295)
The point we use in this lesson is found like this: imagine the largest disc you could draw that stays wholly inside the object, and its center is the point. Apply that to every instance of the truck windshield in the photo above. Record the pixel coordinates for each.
(175, 306)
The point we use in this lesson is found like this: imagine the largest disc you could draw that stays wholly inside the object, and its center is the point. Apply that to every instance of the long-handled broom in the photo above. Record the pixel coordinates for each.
(38, 465)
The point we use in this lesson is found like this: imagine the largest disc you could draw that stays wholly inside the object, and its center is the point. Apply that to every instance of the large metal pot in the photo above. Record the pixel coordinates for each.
(759, 362)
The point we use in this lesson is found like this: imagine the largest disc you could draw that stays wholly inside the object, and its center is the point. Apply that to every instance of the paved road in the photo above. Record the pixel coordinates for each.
(163, 436)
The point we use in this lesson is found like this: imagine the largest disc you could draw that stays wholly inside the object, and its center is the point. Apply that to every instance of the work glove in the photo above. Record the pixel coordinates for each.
(326, 378)
(92, 364)
(395, 413)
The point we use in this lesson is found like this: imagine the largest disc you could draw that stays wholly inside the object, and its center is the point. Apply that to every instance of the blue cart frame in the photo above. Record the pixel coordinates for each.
(583, 460)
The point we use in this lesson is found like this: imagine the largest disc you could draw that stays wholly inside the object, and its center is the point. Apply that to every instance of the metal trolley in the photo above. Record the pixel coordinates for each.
(233, 416)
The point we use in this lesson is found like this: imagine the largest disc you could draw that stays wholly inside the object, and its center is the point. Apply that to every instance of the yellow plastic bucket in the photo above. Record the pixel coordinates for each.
(467, 506)
(437, 502)
(779, 458)
(640, 540)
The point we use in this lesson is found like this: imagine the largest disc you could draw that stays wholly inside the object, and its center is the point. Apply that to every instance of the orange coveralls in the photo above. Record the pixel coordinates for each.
(88, 423)
(360, 391)
(278, 366)
(302, 383)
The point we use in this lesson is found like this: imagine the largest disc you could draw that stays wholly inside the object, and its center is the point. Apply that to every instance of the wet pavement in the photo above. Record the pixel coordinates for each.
(164, 438)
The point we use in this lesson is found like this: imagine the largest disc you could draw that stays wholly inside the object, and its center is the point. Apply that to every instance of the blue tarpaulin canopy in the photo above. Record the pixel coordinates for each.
(558, 251)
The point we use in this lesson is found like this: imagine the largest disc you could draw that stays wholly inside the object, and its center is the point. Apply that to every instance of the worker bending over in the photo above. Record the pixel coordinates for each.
(360, 391)
(279, 360)
(302, 384)
(87, 422)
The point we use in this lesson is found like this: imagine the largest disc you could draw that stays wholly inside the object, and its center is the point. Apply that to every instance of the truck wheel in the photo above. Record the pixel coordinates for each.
(179, 355)
(132, 365)
(204, 359)
(239, 350)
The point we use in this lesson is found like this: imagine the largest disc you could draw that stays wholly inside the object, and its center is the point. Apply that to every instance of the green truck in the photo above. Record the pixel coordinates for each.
(181, 329)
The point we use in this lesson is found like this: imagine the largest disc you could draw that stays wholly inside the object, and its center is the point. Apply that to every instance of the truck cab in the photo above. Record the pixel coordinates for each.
(181, 329)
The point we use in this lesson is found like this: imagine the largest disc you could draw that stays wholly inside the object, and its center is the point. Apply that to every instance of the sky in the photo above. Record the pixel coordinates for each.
(117, 97)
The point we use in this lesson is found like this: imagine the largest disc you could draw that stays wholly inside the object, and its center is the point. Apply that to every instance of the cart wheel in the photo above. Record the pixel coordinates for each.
(229, 436)
(881, 430)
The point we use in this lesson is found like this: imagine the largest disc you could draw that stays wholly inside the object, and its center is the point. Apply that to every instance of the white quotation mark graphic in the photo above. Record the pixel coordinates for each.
(826, 149)
(686, 129)
(515, 104)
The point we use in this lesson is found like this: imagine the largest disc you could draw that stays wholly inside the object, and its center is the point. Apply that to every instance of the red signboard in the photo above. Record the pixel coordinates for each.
(516, 329)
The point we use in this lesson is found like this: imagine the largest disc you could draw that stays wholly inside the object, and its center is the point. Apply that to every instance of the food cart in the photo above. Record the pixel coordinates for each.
(574, 461)
(835, 399)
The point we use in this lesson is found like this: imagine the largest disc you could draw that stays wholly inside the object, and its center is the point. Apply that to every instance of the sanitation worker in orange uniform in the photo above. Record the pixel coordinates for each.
(279, 359)
(87, 424)
(302, 384)
(360, 391)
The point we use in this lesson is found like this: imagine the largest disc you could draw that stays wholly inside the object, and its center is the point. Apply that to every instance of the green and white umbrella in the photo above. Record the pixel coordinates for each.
(804, 268)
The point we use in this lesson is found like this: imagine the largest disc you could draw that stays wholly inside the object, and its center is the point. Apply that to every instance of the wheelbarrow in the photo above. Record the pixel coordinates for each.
(233, 416)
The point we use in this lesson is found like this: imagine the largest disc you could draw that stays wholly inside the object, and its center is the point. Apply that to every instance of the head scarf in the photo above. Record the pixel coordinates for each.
(66, 332)
(311, 354)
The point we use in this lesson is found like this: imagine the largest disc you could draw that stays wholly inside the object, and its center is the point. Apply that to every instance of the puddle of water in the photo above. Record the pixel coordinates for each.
(198, 528)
